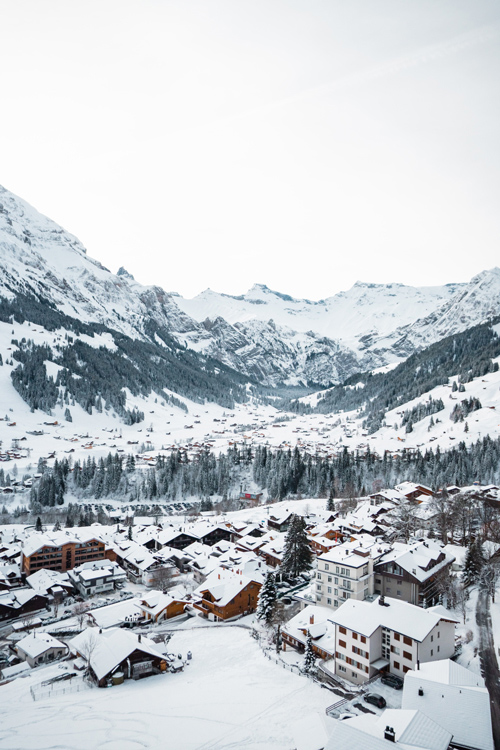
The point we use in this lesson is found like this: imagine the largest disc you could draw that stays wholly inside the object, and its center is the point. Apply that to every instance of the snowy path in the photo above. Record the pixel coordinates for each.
(230, 696)
(489, 666)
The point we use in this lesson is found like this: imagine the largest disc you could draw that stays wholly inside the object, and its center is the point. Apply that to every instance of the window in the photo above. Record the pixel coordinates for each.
(329, 589)
(342, 644)
(336, 592)
(329, 579)
(407, 655)
(406, 669)
(388, 589)
(398, 592)
(354, 674)
(397, 637)
(396, 665)
(407, 641)
(337, 569)
(439, 634)
(378, 580)
(342, 630)
(432, 638)
(318, 576)
(318, 587)
(328, 601)
(327, 567)
(363, 639)
(336, 581)
(438, 649)
(432, 652)
(342, 571)
(355, 636)
(347, 572)
(342, 668)
(395, 650)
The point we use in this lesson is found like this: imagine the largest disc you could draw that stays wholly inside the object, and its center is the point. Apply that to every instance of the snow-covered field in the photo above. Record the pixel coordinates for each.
(230, 696)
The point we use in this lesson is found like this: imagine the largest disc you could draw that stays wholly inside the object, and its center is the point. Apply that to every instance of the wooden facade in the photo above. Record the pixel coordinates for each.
(64, 557)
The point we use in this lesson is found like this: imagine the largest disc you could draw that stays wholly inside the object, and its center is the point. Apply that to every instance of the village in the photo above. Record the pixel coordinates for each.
(360, 599)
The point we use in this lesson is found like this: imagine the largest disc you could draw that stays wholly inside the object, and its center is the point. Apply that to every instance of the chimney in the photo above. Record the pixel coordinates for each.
(139, 637)
(420, 691)
(311, 620)
(381, 600)
(390, 734)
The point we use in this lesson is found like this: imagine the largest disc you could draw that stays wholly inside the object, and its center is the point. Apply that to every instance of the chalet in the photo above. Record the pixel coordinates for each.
(51, 583)
(411, 491)
(10, 577)
(40, 648)
(313, 621)
(280, 521)
(21, 603)
(227, 594)
(272, 551)
(157, 606)
(411, 572)
(118, 654)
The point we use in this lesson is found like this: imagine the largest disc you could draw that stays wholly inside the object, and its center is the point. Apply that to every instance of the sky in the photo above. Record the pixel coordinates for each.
(302, 144)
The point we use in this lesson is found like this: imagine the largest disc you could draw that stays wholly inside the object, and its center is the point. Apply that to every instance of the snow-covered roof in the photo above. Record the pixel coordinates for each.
(110, 648)
(321, 628)
(225, 584)
(453, 696)
(58, 538)
(413, 731)
(38, 643)
(404, 618)
(42, 580)
(355, 554)
(416, 558)
(114, 614)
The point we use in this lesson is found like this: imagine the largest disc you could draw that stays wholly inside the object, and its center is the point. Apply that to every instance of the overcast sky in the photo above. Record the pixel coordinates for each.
(303, 144)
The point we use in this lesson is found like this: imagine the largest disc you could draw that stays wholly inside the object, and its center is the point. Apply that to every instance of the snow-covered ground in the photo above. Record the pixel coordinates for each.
(230, 696)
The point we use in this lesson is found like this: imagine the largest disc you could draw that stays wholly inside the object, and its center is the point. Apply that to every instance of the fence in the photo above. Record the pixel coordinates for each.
(40, 692)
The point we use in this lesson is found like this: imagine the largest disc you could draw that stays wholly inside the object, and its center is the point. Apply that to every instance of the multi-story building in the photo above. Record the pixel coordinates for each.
(389, 635)
(411, 572)
(61, 550)
(346, 572)
(97, 577)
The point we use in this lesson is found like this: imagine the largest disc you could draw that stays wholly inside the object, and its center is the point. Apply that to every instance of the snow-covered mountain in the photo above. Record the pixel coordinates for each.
(265, 335)
(348, 317)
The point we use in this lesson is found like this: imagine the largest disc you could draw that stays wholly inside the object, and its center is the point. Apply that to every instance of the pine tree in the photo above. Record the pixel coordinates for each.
(297, 556)
(309, 657)
(267, 600)
(38, 525)
(130, 532)
(474, 563)
(57, 526)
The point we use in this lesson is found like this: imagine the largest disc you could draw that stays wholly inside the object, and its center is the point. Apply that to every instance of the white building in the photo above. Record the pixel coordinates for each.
(388, 634)
(39, 648)
(346, 572)
(456, 698)
(96, 577)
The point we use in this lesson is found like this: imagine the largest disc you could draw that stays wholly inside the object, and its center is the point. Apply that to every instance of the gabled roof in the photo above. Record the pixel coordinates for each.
(36, 644)
(365, 617)
(455, 697)
(413, 730)
(112, 647)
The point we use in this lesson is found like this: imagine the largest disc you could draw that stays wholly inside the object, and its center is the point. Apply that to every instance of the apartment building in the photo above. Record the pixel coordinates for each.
(389, 635)
(346, 572)
(61, 550)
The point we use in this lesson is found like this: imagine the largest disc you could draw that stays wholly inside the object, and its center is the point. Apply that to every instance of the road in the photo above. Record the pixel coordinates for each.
(489, 665)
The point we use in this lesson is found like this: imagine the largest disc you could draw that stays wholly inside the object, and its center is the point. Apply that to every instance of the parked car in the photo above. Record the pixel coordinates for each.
(392, 680)
(375, 700)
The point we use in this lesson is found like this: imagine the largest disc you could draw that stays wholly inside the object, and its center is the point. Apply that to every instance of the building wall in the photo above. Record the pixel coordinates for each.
(64, 557)
(334, 584)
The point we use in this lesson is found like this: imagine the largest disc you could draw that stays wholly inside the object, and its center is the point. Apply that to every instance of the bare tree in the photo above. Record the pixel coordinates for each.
(405, 520)
(80, 611)
(490, 574)
(89, 645)
(163, 578)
